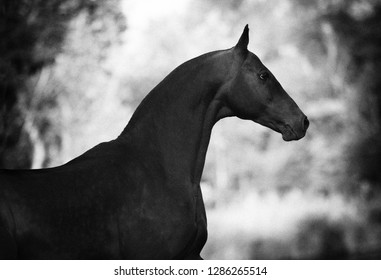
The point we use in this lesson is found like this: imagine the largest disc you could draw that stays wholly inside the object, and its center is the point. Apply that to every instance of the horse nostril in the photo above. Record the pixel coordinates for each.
(306, 123)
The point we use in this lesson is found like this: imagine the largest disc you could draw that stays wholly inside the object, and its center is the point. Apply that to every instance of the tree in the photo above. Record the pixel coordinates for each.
(33, 33)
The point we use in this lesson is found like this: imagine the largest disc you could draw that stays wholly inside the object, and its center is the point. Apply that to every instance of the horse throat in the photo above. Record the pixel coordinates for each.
(173, 124)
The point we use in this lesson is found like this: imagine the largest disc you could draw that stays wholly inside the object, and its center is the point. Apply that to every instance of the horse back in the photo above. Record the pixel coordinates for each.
(64, 212)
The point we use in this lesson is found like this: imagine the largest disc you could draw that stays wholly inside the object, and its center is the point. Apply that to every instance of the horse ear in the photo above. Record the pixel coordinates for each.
(243, 40)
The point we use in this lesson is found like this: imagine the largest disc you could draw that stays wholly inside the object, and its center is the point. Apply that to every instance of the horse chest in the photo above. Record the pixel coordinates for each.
(163, 227)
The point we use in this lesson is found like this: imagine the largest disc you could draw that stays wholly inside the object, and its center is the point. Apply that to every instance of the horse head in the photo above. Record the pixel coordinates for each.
(254, 93)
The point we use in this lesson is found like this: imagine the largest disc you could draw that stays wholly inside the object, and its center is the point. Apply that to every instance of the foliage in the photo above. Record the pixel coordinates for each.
(33, 33)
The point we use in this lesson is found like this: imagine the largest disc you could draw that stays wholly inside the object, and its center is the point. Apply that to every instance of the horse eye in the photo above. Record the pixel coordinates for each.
(264, 76)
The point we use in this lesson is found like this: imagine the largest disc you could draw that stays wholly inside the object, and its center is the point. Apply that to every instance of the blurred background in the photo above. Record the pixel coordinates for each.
(73, 71)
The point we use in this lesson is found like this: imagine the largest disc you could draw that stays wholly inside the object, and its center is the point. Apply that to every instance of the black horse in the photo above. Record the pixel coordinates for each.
(138, 196)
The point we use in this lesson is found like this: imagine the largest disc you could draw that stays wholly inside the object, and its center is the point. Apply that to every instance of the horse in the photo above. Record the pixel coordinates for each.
(138, 196)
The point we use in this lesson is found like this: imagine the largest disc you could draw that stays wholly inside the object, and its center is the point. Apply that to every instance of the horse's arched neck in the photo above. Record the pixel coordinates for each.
(173, 123)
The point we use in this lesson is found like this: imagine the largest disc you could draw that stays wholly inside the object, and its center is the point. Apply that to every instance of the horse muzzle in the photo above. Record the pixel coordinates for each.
(296, 131)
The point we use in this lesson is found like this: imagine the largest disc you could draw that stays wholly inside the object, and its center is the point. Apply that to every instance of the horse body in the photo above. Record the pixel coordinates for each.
(99, 206)
(138, 196)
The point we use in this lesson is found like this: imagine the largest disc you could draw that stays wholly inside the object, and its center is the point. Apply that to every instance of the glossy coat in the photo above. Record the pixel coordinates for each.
(138, 196)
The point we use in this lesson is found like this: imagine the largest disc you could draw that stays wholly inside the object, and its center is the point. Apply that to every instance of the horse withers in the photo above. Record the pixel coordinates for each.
(139, 196)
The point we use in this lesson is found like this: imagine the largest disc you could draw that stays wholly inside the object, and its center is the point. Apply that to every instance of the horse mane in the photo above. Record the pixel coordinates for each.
(174, 84)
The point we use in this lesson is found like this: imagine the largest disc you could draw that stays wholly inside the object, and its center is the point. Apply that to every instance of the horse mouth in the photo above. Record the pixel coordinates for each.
(288, 133)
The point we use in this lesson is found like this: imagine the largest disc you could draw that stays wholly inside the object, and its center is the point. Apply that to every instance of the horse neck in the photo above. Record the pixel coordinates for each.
(173, 124)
